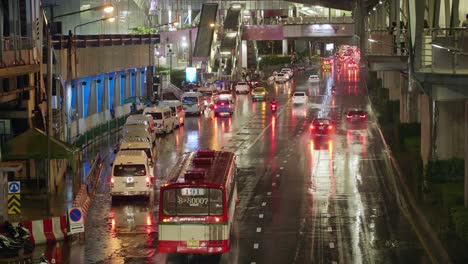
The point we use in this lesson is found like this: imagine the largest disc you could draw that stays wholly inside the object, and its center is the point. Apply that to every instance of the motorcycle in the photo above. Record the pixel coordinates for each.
(16, 237)
(274, 106)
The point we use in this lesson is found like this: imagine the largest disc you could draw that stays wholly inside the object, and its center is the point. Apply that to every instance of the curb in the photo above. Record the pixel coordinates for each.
(426, 235)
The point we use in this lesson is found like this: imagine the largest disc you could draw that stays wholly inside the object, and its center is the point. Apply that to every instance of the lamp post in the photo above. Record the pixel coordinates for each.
(106, 8)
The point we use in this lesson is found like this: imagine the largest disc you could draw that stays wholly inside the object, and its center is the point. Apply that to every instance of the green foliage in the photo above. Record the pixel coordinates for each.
(316, 59)
(142, 30)
(460, 221)
(451, 193)
(274, 60)
(177, 77)
(441, 171)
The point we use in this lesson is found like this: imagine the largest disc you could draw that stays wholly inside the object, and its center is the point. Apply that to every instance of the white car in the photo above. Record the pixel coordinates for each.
(281, 78)
(242, 87)
(225, 95)
(288, 71)
(299, 98)
(314, 78)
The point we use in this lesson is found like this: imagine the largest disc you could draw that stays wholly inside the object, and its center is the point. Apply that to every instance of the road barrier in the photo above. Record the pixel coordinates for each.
(47, 230)
(88, 188)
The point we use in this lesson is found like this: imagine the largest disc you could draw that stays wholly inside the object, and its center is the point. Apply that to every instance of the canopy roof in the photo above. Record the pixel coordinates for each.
(33, 144)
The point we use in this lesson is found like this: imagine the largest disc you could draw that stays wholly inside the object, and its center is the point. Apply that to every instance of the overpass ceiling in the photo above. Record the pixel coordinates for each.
(337, 4)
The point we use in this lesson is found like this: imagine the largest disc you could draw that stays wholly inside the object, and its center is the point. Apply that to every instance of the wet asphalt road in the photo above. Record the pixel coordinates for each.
(302, 200)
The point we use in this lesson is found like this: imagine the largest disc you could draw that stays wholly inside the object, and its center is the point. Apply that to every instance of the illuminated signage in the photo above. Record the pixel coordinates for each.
(190, 74)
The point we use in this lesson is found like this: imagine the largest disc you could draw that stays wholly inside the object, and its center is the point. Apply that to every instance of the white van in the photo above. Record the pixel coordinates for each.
(177, 110)
(163, 119)
(131, 174)
(210, 95)
(141, 118)
(193, 103)
(134, 143)
(138, 130)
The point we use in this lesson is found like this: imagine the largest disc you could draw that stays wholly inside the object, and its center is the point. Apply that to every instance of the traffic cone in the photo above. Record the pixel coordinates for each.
(58, 253)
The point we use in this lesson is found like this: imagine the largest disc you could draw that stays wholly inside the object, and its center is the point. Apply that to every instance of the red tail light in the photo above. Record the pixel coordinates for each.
(348, 116)
(215, 106)
(112, 182)
(312, 127)
(230, 106)
(330, 127)
(147, 181)
(363, 116)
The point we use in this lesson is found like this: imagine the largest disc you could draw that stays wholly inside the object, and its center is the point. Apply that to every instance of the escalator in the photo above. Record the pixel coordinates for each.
(230, 43)
(204, 41)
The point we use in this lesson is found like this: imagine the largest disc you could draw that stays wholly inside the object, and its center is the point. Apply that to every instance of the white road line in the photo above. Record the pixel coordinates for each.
(285, 161)
(277, 175)
(264, 203)
(268, 193)
(255, 246)
(332, 245)
(282, 168)
(273, 184)
(329, 229)
(260, 216)
(259, 229)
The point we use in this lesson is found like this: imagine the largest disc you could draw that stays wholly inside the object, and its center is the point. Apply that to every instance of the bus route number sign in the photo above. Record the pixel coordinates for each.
(192, 191)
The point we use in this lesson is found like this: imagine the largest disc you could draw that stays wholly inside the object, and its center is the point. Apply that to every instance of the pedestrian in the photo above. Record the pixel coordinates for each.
(465, 22)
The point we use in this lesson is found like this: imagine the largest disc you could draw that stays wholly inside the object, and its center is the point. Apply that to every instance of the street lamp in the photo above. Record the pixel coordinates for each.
(110, 19)
(108, 8)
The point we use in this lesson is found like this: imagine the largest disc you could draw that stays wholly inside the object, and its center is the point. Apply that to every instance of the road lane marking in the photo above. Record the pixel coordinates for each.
(332, 245)
(277, 175)
(273, 184)
(260, 216)
(268, 193)
(255, 245)
(282, 168)
(259, 229)
(264, 203)
(285, 161)
(329, 229)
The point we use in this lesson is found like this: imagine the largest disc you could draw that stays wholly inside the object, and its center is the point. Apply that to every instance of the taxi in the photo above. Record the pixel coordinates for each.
(259, 93)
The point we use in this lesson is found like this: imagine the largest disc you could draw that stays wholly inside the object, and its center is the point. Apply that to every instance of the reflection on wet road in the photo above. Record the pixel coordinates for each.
(302, 199)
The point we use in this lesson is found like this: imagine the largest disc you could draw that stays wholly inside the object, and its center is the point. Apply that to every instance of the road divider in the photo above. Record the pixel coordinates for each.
(48, 230)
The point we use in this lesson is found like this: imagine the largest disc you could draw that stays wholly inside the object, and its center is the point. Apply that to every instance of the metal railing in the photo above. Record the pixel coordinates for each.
(384, 42)
(16, 43)
(83, 41)
(97, 132)
(304, 20)
(444, 50)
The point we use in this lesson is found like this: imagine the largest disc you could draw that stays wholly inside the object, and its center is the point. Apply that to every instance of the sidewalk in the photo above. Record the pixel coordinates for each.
(35, 206)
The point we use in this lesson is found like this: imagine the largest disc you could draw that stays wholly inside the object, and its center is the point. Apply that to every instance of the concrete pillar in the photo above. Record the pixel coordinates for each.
(137, 83)
(391, 81)
(426, 127)
(285, 47)
(466, 153)
(93, 94)
(243, 52)
(449, 129)
(105, 93)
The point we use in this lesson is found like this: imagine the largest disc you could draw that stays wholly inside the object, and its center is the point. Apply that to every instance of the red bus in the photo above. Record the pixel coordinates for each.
(197, 204)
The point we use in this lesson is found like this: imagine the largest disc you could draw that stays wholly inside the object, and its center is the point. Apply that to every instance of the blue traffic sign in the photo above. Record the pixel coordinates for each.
(75, 215)
(14, 187)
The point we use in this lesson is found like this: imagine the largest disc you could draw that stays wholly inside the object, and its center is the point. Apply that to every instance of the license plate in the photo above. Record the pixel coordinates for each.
(130, 184)
(193, 243)
(320, 127)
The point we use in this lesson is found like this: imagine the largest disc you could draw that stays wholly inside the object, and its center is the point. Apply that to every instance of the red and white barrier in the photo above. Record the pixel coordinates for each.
(47, 230)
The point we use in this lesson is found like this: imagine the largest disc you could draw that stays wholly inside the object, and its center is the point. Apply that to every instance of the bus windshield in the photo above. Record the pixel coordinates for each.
(190, 100)
(192, 201)
(130, 170)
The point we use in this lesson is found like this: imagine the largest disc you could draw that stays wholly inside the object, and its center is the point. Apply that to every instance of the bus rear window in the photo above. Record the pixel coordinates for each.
(192, 201)
(156, 116)
(129, 170)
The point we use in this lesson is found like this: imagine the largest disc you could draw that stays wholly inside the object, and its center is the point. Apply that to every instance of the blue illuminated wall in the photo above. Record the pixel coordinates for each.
(132, 83)
(99, 92)
(110, 91)
(122, 88)
(142, 81)
(86, 84)
(74, 93)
